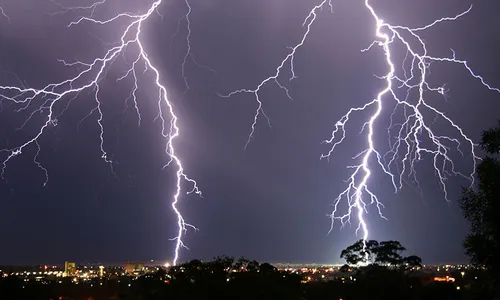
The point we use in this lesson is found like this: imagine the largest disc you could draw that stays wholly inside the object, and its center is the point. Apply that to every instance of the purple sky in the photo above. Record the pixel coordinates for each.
(268, 202)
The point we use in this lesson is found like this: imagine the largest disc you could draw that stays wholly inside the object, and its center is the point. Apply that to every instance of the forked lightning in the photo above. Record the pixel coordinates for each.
(409, 139)
(60, 94)
(406, 138)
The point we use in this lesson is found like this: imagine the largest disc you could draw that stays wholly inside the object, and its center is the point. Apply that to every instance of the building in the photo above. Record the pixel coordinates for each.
(69, 268)
(134, 268)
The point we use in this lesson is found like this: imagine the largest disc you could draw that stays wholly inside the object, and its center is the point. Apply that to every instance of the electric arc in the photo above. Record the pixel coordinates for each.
(88, 78)
(409, 139)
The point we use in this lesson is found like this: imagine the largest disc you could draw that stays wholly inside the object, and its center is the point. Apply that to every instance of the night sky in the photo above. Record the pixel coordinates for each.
(268, 202)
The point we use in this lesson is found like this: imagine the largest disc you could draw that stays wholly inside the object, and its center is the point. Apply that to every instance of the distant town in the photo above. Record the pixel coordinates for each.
(126, 274)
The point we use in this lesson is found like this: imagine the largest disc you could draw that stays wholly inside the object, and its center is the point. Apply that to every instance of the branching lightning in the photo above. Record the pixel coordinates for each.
(409, 139)
(60, 94)
(274, 78)
(4, 15)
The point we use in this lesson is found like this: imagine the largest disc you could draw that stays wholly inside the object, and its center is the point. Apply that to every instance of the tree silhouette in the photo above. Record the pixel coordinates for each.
(220, 279)
(481, 207)
(241, 263)
(252, 266)
(344, 268)
(360, 251)
(413, 261)
(386, 253)
(267, 268)
(389, 253)
(354, 253)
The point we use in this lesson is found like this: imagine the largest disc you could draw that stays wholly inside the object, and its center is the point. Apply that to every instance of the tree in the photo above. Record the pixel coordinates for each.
(386, 253)
(360, 251)
(253, 266)
(344, 268)
(481, 207)
(413, 261)
(354, 253)
(241, 263)
(389, 253)
(267, 268)
(223, 262)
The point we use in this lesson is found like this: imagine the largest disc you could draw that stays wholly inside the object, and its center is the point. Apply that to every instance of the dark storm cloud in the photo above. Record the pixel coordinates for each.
(269, 201)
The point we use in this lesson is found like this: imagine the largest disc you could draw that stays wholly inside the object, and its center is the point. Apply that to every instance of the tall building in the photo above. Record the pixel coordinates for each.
(69, 268)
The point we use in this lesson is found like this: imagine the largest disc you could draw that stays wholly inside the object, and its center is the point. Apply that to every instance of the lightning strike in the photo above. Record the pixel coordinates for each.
(309, 20)
(4, 15)
(410, 139)
(59, 95)
(188, 54)
(188, 42)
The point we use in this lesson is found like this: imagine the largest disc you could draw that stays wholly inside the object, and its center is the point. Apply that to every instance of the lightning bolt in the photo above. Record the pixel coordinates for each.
(59, 95)
(414, 136)
(410, 139)
(4, 15)
(308, 22)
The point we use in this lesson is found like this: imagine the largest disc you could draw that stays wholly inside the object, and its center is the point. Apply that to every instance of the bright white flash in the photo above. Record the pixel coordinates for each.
(58, 96)
(410, 139)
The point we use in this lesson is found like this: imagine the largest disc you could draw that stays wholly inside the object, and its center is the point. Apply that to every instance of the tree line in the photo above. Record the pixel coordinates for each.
(481, 207)
(374, 270)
